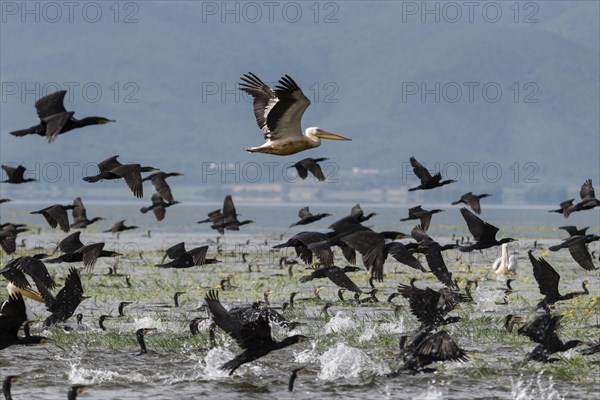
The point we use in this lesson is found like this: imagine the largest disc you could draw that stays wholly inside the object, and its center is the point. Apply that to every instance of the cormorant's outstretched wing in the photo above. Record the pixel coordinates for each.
(587, 190)
(198, 254)
(51, 105)
(542, 328)
(34, 267)
(337, 276)
(420, 171)
(478, 227)
(247, 335)
(402, 255)
(441, 347)
(131, 173)
(66, 301)
(109, 164)
(71, 243)
(176, 250)
(546, 276)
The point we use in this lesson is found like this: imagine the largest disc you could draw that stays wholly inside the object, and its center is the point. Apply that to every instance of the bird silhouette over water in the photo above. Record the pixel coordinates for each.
(227, 219)
(161, 186)
(66, 301)
(588, 199)
(301, 242)
(484, 233)
(181, 258)
(306, 217)
(336, 275)
(423, 215)
(16, 174)
(8, 236)
(548, 280)
(472, 200)
(303, 167)
(75, 251)
(358, 213)
(543, 330)
(79, 213)
(427, 180)
(254, 337)
(433, 255)
(572, 230)
(55, 119)
(56, 215)
(426, 348)
(158, 207)
(111, 168)
(120, 226)
(564, 208)
(578, 250)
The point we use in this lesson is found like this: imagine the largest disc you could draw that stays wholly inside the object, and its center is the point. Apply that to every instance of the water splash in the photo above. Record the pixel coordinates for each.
(209, 366)
(432, 393)
(534, 389)
(487, 297)
(337, 323)
(307, 356)
(344, 361)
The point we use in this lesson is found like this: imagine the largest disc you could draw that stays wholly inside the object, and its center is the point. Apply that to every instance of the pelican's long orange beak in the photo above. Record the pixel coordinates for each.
(27, 292)
(331, 136)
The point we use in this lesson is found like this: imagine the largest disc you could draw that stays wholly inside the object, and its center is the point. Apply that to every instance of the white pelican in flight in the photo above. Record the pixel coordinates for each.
(278, 113)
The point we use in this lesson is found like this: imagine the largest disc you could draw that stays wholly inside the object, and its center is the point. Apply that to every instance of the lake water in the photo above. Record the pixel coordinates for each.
(348, 353)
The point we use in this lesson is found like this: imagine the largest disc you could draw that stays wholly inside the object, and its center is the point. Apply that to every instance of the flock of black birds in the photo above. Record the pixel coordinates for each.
(250, 326)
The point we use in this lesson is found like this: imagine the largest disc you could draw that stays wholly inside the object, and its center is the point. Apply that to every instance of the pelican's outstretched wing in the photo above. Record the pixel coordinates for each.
(278, 113)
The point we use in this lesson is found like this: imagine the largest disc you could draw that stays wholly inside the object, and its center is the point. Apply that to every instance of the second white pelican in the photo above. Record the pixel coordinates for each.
(505, 265)
(278, 113)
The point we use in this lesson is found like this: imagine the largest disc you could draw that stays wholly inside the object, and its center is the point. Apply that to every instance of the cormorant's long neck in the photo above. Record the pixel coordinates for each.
(6, 385)
(85, 121)
(288, 341)
(140, 339)
(570, 344)
(576, 294)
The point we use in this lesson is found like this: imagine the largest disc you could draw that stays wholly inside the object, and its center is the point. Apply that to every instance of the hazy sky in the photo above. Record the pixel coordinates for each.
(457, 84)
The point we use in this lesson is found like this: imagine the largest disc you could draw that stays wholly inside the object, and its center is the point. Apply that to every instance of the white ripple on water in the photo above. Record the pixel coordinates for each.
(343, 361)
(148, 322)
(432, 393)
(535, 388)
(79, 375)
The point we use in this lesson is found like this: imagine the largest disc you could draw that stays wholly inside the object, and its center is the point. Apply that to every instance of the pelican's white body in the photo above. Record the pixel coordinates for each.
(505, 264)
